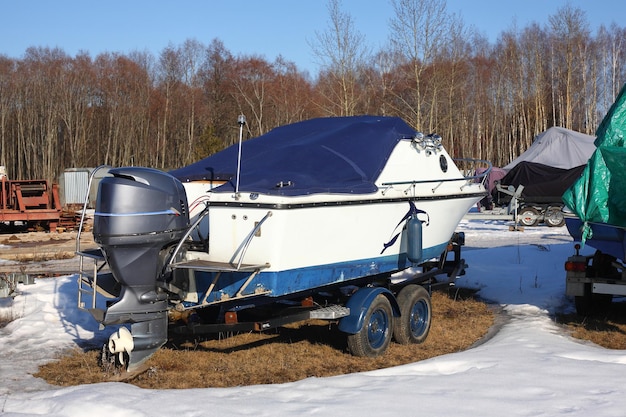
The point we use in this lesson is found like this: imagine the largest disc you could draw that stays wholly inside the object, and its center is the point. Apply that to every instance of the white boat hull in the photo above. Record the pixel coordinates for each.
(310, 248)
(304, 237)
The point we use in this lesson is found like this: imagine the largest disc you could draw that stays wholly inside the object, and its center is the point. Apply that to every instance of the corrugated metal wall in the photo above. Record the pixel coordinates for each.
(74, 186)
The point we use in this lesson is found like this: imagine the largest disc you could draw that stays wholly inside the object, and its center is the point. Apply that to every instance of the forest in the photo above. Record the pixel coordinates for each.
(486, 99)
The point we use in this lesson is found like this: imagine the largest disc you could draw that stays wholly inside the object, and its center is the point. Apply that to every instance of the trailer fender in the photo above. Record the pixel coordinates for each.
(359, 304)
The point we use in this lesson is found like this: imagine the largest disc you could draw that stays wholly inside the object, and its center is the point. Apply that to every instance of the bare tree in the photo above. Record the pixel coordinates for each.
(570, 32)
(38, 117)
(75, 82)
(451, 78)
(192, 53)
(611, 44)
(480, 109)
(419, 30)
(251, 90)
(342, 53)
(383, 81)
(7, 90)
(291, 94)
(171, 73)
(221, 111)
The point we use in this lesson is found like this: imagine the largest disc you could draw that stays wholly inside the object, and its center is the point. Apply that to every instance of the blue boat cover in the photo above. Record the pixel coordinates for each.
(324, 155)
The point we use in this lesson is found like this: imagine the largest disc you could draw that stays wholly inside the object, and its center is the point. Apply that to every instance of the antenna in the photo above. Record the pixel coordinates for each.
(241, 120)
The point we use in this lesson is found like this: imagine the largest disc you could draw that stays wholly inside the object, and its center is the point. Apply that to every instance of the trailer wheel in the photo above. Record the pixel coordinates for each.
(554, 217)
(375, 334)
(591, 304)
(415, 314)
(528, 216)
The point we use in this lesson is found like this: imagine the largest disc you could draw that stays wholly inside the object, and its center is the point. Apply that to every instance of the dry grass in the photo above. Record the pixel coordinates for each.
(37, 247)
(607, 330)
(312, 349)
(42, 256)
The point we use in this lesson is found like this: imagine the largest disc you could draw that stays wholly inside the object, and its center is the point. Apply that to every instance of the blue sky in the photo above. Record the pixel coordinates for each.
(265, 27)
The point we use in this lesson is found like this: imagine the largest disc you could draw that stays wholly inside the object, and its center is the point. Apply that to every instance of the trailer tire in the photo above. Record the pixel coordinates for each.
(415, 315)
(554, 217)
(375, 335)
(528, 216)
(591, 304)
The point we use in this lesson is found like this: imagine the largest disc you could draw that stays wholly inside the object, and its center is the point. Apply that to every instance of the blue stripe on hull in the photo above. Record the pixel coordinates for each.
(281, 283)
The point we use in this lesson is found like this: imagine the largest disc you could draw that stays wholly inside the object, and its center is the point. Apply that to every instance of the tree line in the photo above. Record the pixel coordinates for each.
(487, 100)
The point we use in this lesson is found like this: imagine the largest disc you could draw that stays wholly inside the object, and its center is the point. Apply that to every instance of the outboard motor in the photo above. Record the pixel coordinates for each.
(140, 213)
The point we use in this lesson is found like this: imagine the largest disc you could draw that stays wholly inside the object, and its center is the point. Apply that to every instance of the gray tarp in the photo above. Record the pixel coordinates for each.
(559, 148)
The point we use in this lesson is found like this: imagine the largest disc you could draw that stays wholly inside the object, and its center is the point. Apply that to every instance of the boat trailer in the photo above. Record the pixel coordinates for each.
(137, 284)
(369, 311)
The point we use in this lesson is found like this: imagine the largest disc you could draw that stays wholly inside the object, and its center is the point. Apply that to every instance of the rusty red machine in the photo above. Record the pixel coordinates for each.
(33, 204)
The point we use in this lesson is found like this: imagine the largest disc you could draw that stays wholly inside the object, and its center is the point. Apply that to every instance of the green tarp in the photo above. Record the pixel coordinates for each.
(599, 195)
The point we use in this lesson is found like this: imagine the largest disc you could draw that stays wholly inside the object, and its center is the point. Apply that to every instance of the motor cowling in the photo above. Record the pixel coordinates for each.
(136, 204)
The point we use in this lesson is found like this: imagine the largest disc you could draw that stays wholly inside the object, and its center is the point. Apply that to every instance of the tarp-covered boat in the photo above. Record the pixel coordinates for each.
(331, 205)
(545, 170)
(542, 183)
(598, 197)
(557, 147)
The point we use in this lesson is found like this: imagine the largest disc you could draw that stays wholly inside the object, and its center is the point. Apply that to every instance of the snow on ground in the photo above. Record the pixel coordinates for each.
(530, 367)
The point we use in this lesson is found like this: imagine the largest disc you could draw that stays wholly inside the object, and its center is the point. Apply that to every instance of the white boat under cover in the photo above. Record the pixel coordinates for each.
(317, 203)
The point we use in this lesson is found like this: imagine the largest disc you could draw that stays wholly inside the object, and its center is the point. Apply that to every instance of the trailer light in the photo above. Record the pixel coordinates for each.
(575, 266)
(230, 317)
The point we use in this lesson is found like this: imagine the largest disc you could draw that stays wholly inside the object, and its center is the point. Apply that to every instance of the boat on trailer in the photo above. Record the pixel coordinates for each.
(348, 219)
(597, 217)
